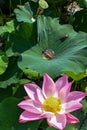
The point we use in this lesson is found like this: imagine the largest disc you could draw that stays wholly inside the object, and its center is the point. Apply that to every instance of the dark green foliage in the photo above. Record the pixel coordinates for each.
(80, 21)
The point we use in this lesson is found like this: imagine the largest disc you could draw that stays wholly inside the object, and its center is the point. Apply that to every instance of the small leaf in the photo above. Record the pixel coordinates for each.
(9, 81)
(31, 74)
(74, 76)
(3, 63)
(8, 27)
(24, 13)
(24, 81)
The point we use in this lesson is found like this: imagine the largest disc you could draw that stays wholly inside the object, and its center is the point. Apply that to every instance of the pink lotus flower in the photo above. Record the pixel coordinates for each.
(54, 102)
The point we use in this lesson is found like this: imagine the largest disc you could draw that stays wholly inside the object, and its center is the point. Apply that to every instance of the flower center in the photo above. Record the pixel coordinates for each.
(52, 104)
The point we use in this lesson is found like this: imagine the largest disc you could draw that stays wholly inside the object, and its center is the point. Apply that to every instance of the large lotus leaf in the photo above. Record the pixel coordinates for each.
(70, 54)
(8, 27)
(21, 39)
(48, 26)
(24, 13)
(3, 63)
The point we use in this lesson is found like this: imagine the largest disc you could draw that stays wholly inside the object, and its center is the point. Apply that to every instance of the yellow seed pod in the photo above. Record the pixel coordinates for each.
(43, 4)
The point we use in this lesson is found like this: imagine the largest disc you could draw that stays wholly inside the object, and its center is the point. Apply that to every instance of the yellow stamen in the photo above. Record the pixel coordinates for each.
(52, 104)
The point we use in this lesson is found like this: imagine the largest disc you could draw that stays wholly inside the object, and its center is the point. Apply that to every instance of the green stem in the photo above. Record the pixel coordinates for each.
(75, 86)
(10, 4)
(20, 2)
(1, 22)
(1, 12)
(56, 11)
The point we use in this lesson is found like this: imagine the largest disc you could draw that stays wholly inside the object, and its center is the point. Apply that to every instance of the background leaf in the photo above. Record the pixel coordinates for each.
(83, 3)
(8, 27)
(33, 125)
(51, 128)
(31, 74)
(76, 77)
(11, 75)
(21, 39)
(3, 63)
(9, 113)
(71, 127)
(24, 13)
(80, 21)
